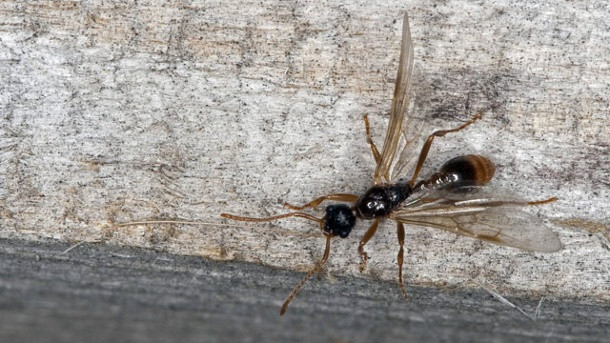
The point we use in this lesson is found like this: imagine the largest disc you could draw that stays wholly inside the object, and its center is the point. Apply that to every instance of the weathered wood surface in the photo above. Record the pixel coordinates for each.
(103, 293)
(122, 111)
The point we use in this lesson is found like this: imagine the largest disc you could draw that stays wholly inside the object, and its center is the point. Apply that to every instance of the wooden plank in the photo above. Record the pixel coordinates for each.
(102, 293)
(116, 112)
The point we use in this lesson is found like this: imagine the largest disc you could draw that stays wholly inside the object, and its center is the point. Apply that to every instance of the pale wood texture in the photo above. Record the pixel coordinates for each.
(122, 111)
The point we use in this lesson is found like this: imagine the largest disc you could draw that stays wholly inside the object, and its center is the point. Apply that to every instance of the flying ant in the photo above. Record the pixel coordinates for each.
(454, 199)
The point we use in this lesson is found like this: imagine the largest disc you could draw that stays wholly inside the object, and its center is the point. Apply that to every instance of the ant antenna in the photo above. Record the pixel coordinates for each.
(318, 265)
(315, 269)
(268, 219)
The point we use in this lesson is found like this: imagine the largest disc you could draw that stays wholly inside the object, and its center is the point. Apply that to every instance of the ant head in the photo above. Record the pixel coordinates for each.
(339, 220)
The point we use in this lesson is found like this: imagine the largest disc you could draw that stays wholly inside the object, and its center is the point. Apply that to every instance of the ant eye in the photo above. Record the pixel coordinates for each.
(339, 220)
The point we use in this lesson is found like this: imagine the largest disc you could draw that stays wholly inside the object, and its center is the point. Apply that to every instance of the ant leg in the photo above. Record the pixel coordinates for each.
(400, 231)
(369, 140)
(314, 203)
(315, 269)
(268, 219)
(367, 236)
(424, 151)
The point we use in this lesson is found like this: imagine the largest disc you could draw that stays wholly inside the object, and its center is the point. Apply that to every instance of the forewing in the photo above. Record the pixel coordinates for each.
(498, 221)
(399, 106)
(410, 145)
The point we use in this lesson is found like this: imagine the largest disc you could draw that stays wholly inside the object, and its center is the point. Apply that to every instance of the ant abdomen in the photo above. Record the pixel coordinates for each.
(462, 171)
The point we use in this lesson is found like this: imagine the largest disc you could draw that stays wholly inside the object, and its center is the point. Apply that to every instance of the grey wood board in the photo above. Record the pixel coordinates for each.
(101, 293)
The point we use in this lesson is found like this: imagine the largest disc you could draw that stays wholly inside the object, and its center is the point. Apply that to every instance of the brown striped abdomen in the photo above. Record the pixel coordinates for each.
(466, 170)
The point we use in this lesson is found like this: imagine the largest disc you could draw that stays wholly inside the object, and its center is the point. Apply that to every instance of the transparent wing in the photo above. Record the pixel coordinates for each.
(399, 106)
(410, 143)
(477, 215)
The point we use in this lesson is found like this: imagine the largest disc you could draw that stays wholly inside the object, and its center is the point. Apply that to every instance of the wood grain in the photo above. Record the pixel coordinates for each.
(115, 112)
